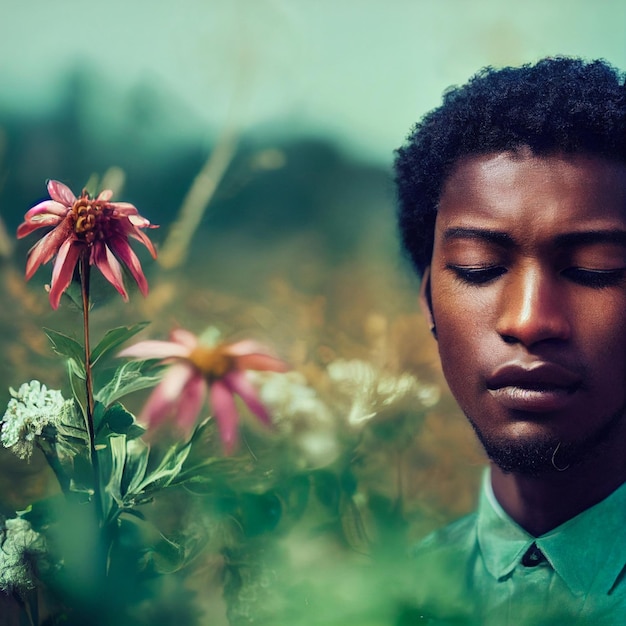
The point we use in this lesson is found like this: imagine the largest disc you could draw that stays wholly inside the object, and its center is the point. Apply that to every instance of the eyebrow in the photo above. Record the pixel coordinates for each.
(492, 236)
(586, 237)
(565, 240)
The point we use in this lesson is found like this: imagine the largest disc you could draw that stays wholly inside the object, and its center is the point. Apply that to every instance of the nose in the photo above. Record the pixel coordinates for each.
(532, 308)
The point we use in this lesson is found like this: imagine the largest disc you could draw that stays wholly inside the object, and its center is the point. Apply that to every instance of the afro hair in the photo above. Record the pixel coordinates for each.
(558, 105)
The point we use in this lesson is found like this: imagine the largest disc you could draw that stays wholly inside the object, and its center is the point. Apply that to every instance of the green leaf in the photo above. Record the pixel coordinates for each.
(113, 339)
(209, 472)
(135, 431)
(167, 556)
(82, 480)
(71, 440)
(167, 471)
(99, 411)
(67, 347)
(76, 369)
(105, 463)
(118, 418)
(127, 378)
(117, 445)
(71, 424)
(115, 420)
(137, 453)
(78, 388)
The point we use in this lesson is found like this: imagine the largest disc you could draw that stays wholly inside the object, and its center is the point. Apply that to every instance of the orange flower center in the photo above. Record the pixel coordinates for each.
(213, 362)
(91, 218)
(87, 214)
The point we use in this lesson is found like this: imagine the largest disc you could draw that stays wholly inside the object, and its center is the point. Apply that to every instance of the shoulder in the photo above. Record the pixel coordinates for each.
(441, 573)
(459, 536)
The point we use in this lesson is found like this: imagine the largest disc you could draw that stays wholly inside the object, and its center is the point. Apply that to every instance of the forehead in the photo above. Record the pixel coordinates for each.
(529, 192)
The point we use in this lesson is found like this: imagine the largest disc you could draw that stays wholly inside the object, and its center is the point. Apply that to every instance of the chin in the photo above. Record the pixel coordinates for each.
(538, 453)
(529, 457)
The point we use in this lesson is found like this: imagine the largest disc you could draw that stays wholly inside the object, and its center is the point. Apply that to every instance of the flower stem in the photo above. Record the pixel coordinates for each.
(89, 403)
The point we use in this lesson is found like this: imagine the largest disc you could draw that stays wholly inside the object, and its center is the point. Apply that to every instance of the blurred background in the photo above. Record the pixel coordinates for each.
(259, 135)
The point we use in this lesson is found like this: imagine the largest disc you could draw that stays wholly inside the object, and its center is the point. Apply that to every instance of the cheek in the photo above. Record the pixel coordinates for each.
(462, 341)
(605, 342)
(600, 325)
(464, 319)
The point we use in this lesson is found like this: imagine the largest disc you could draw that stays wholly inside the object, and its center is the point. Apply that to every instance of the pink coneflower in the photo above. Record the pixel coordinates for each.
(94, 227)
(197, 369)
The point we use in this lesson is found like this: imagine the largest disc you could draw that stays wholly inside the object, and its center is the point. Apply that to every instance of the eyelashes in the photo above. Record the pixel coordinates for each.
(596, 279)
(592, 278)
(477, 275)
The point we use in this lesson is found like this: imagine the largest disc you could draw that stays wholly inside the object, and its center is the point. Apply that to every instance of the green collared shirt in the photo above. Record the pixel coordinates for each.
(471, 572)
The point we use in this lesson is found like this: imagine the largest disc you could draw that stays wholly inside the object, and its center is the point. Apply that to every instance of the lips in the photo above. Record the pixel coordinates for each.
(537, 386)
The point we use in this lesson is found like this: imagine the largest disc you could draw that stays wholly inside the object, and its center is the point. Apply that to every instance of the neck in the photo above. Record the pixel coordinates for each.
(540, 503)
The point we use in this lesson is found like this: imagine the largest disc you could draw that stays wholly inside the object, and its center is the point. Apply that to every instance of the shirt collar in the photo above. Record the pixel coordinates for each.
(588, 551)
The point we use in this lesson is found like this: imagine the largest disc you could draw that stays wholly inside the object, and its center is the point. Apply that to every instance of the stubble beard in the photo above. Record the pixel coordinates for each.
(546, 454)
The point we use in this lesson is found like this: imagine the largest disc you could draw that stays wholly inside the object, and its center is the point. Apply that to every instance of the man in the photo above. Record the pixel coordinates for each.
(512, 208)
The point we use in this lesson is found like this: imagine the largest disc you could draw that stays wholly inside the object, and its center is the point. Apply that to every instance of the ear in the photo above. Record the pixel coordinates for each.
(426, 302)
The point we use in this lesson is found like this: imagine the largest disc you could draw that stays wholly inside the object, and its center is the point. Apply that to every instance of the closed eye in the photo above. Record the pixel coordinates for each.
(477, 275)
(596, 279)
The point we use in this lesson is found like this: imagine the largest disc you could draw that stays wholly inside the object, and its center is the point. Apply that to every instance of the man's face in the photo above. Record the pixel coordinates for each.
(528, 288)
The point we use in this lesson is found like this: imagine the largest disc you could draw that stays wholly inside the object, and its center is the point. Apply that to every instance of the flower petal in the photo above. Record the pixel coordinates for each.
(40, 221)
(247, 346)
(153, 349)
(177, 377)
(126, 208)
(156, 409)
(125, 228)
(190, 402)
(139, 222)
(45, 207)
(225, 412)
(124, 252)
(63, 270)
(251, 355)
(47, 247)
(135, 233)
(184, 337)
(261, 362)
(238, 383)
(110, 267)
(163, 399)
(61, 193)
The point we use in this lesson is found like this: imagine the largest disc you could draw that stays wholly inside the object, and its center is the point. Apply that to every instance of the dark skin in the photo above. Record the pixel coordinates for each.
(527, 288)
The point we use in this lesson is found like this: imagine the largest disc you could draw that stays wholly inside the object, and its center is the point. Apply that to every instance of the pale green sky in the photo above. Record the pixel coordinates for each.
(362, 69)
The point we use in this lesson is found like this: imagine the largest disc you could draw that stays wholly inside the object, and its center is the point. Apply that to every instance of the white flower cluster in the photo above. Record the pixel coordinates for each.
(371, 391)
(298, 411)
(356, 392)
(32, 407)
(22, 553)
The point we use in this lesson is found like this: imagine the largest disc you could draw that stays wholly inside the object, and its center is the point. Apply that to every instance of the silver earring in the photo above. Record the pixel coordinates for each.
(554, 465)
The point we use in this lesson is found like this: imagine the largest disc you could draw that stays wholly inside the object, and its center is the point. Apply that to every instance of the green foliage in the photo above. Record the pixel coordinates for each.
(113, 339)
(69, 348)
(287, 539)
(115, 420)
(129, 377)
